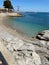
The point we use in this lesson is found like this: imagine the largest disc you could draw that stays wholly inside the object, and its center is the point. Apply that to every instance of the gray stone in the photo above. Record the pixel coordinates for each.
(44, 35)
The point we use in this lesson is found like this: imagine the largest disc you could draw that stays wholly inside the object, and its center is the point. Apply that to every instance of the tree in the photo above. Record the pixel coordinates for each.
(7, 4)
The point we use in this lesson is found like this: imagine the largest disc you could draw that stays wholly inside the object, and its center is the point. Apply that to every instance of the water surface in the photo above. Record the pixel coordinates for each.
(31, 23)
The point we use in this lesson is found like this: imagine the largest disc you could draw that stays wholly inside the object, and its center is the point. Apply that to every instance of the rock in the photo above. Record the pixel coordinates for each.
(26, 55)
(43, 43)
(10, 48)
(28, 47)
(38, 43)
(29, 61)
(36, 58)
(44, 61)
(18, 44)
(29, 53)
(21, 62)
(46, 34)
(40, 37)
(48, 45)
(43, 35)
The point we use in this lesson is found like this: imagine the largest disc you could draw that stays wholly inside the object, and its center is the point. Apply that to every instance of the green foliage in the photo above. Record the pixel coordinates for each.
(7, 4)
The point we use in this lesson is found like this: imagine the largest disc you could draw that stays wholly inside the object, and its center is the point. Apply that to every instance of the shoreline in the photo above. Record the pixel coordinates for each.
(18, 33)
(20, 50)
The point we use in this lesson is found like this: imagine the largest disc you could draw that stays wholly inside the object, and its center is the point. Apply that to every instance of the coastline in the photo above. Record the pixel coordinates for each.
(17, 33)
(20, 50)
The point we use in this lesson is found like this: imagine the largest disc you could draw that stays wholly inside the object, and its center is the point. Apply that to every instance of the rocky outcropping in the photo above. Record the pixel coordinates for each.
(35, 53)
(28, 53)
(43, 35)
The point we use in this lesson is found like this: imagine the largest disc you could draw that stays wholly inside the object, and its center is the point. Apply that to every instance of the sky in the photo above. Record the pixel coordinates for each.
(29, 5)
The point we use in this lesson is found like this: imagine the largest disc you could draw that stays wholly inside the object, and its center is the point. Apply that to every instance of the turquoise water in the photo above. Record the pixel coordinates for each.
(31, 23)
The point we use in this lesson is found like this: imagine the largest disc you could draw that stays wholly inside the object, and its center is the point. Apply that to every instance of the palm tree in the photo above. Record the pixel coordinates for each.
(7, 4)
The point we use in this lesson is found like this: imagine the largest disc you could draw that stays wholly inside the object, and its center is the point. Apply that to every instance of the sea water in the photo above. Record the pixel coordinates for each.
(31, 23)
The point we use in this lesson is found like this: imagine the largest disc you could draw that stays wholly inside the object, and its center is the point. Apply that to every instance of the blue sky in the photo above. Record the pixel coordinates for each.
(30, 5)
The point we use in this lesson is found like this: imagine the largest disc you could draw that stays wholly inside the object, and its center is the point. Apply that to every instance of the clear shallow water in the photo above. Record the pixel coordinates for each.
(31, 23)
